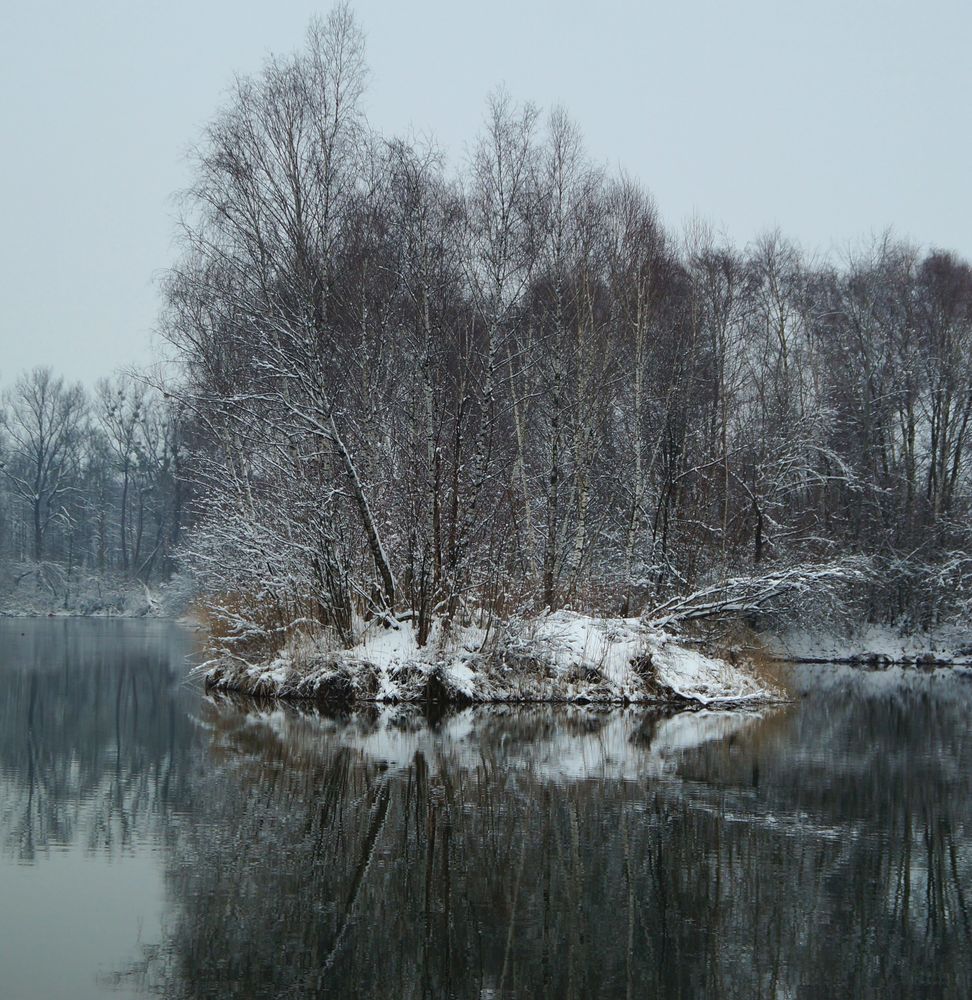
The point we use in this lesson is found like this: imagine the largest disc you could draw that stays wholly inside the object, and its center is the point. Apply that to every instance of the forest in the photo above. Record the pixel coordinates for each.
(407, 389)
(92, 484)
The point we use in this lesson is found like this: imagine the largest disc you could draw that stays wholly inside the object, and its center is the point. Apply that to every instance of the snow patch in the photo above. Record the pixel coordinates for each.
(877, 643)
(560, 657)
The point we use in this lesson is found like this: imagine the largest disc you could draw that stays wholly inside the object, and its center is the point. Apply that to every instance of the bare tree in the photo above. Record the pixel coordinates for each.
(43, 418)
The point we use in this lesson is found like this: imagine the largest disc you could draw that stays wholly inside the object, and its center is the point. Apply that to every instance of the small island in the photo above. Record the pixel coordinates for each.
(487, 430)
(486, 581)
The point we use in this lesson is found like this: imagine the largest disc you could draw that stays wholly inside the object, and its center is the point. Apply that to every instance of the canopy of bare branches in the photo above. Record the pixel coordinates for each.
(424, 393)
(421, 392)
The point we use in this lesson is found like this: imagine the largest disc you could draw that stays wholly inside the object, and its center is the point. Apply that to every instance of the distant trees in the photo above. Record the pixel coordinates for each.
(42, 420)
(92, 482)
(419, 395)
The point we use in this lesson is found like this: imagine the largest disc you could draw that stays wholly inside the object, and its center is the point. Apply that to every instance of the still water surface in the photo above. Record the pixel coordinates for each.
(156, 842)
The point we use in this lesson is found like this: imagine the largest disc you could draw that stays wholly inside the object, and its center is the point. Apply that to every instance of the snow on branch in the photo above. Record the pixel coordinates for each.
(745, 595)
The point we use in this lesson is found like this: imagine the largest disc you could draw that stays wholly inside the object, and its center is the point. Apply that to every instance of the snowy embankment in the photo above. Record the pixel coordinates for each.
(49, 589)
(561, 657)
(877, 646)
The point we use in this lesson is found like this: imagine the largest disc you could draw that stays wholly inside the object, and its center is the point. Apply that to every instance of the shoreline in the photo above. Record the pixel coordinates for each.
(878, 661)
(560, 658)
(875, 647)
(130, 616)
(437, 694)
(566, 658)
(563, 659)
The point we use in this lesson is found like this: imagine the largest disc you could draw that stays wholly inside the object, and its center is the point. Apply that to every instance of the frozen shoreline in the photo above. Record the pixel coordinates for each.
(875, 646)
(49, 590)
(562, 657)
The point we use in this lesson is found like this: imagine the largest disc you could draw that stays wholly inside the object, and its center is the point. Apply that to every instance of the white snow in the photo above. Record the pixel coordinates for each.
(559, 657)
(951, 644)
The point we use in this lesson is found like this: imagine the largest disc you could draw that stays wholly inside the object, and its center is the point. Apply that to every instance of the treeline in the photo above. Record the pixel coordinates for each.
(91, 480)
(426, 393)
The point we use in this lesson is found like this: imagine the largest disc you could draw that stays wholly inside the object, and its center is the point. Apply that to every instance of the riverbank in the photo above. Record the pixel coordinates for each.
(51, 590)
(875, 646)
(562, 657)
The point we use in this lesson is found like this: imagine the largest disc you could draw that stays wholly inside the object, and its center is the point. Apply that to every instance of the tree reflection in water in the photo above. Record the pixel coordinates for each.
(816, 852)
(94, 734)
(821, 850)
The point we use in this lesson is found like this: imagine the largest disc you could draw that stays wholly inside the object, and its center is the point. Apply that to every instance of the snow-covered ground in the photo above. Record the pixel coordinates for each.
(47, 588)
(875, 645)
(560, 657)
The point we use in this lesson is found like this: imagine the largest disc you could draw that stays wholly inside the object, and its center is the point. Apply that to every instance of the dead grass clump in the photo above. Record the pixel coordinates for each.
(525, 664)
(256, 627)
(644, 668)
(744, 648)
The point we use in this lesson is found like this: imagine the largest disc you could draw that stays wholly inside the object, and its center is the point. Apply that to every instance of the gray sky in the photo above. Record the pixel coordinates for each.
(832, 120)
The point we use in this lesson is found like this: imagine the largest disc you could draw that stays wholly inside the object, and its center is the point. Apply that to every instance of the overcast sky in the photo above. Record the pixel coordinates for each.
(831, 120)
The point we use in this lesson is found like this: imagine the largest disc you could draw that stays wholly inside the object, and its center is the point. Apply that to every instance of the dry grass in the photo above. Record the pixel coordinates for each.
(254, 628)
(741, 646)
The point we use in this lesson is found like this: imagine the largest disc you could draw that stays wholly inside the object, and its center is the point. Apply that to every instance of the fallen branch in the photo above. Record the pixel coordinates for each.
(747, 595)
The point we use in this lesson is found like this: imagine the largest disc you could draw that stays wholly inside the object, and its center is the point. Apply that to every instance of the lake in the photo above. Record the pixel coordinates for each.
(155, 841)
